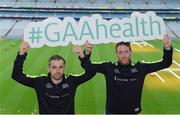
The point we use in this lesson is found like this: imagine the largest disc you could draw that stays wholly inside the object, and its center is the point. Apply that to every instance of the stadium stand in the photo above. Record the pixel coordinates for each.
(33, 10)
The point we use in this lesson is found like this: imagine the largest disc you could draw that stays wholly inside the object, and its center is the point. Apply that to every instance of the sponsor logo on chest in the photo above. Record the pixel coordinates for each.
(65, 85)
(123, 79)
(49, 85)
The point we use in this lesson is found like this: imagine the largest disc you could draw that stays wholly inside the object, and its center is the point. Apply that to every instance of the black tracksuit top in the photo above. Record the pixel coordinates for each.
(124, 83)
(52, 98)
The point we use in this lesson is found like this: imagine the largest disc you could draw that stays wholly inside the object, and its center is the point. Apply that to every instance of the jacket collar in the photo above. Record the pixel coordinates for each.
(124, 65)
(49, 78)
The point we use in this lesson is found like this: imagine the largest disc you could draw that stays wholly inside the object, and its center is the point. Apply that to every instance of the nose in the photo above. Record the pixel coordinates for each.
(57, 70)
(123, 54)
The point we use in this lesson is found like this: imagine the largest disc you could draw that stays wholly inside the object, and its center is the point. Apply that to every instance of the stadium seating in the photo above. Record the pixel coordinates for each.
(26, 11)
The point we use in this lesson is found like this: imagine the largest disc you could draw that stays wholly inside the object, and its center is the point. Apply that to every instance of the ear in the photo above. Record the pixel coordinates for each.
(48, 69)
(116, 54)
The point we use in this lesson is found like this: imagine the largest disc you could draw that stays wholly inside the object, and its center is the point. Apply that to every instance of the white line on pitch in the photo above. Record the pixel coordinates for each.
(137, 44)
(159, 77)
(147, 43)
(174, 74)
(176, 63)
(172, 69)
(176, 50)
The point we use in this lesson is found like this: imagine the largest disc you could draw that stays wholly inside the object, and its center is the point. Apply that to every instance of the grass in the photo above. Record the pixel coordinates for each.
(157, 97)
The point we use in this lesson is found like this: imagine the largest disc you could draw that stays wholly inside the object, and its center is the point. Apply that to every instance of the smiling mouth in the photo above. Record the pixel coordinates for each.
(59, 75)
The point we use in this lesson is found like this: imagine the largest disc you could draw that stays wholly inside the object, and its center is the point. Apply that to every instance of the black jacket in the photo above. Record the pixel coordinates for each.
(124, 83)
(52, 98)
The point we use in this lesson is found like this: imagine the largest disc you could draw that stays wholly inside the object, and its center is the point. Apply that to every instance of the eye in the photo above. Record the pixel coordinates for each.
(126, 51)
(53, 67)
(60, 67)
(120, 52)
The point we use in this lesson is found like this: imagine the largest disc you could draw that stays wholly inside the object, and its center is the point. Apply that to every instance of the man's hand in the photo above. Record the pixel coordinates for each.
(77, 49)
(88, 47)
(166, 41)
(23, 48)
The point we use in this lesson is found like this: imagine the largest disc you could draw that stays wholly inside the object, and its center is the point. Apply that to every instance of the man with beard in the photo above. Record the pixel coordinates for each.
(55, 92)
(124, 79)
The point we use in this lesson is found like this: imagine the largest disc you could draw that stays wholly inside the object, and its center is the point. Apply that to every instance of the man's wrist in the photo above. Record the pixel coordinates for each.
(81, 55)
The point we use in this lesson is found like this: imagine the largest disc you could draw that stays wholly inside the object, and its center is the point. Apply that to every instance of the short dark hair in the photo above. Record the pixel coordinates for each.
(56, 57)
(128, 44)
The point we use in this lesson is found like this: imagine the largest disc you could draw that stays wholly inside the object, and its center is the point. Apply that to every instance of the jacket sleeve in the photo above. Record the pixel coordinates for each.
(79, 79)
(88, 65)
(17, 73)
(165, 63)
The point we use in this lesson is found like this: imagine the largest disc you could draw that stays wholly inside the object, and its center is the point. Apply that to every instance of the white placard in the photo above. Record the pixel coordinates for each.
(55, 32)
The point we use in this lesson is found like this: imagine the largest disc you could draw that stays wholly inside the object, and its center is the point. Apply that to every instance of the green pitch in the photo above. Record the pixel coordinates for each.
(159, 95)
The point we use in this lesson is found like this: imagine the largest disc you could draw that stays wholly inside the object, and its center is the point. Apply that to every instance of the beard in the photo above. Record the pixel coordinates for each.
(57, 76)
(124, 61)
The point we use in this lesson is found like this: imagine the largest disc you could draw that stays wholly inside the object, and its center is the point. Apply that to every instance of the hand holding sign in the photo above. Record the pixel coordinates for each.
(23, 48)
(166, 41)
(88, 47)
(77, 49)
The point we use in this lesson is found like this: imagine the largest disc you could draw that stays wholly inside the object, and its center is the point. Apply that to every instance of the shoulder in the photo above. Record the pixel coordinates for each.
(140, 65)
(105, 63)
(40, 78)
(70, 77)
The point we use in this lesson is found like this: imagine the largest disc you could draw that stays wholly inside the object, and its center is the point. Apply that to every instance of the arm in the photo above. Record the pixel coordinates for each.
(79, 79)
(88, 65)
(85, 58)
(165, 63)
(17, 73)
(89, 73)
(167, 57)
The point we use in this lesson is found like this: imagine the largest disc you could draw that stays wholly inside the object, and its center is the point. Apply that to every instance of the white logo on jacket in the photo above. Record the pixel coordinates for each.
(65, 85)
(49, 85)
